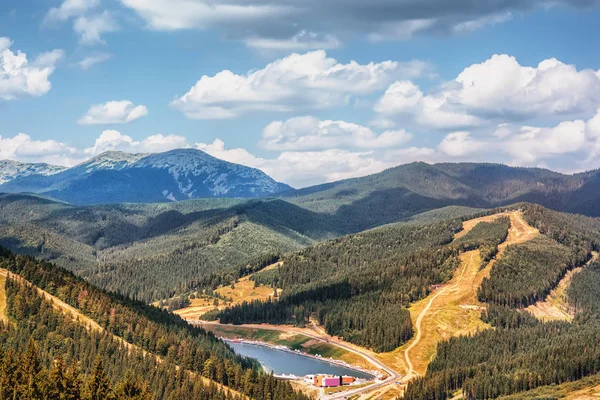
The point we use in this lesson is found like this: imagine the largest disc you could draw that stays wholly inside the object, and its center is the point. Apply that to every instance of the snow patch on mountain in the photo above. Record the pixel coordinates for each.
(111, 160)
(11, 170)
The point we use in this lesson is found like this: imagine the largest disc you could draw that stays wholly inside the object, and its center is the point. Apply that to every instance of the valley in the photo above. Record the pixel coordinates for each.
(395, 293)
(452, 309)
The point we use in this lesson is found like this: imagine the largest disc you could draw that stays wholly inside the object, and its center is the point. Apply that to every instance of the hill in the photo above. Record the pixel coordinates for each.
(116, 177)
(67, 339)
(398, 193)
(154, 251)
(389, 287)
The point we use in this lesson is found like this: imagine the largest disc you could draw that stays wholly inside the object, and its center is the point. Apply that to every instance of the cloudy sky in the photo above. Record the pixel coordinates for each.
(308, 91)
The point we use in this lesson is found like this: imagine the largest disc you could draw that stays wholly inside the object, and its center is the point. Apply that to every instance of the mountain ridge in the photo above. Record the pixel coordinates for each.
(117, 177)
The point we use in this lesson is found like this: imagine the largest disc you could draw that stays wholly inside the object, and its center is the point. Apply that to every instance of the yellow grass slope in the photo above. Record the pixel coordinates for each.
(556, 307)
(453, 308)
(3, 316)
(243, 290)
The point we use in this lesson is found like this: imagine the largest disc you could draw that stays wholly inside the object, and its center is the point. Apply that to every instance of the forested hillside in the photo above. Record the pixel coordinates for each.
(46, 351)
(154, 251)
(408, 189)
(359, 286)
(522, 353)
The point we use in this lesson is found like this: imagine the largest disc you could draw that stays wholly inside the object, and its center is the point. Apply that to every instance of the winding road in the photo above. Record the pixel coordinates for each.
(519, 232)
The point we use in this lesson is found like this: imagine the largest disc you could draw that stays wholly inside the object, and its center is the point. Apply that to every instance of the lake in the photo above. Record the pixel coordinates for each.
(282, 362)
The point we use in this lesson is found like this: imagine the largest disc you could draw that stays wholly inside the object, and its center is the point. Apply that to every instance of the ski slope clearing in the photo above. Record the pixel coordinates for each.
(556, 307)
(452, 309)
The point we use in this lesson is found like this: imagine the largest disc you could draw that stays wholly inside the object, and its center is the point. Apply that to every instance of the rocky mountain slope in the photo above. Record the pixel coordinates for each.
(11, 170)
(116, 177)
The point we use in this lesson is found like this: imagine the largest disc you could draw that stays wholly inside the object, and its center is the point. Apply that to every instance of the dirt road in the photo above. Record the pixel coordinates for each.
(453, 309)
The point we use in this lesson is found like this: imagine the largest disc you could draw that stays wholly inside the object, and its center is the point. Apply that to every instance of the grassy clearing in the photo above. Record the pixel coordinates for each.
(3, 316)
(243, 290)
(453, 309)
(290, 340)
(556, 306)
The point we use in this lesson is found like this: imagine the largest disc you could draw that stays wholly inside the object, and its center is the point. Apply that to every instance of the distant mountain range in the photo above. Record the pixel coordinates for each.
(11, 170)
(117, 177)
(401, 192)
(361, 203)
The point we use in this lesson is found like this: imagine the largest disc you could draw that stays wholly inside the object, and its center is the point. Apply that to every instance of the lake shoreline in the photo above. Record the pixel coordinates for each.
(332, 361)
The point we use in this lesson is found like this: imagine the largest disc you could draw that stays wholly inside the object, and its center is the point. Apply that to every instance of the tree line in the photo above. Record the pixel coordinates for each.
(359, 286)
(150, 329)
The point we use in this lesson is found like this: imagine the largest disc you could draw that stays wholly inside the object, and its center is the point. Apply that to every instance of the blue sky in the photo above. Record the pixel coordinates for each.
(307, 92)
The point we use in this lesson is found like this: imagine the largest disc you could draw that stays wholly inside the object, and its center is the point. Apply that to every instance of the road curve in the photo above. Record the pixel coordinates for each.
(411, 372)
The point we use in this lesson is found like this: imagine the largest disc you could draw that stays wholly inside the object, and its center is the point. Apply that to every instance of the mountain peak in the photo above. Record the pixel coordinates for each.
(11, 170)
(181, 174)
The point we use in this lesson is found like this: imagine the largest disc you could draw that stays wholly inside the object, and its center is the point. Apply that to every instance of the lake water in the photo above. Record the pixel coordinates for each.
(282, 362)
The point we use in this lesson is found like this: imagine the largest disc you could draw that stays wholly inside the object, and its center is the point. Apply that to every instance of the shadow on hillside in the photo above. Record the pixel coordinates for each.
(388, 206)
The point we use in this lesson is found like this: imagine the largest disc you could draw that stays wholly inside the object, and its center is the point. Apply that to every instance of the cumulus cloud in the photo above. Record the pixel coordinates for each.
(460, 144)
(298, 81)
(303, 40)
(301, 164)
(309, 133)
(302, 168)
(19, 77)
(22, 147)
(273, 22)
(524, 145)
(497, 89)
(89, 61)
(113, 112)
(111, 140)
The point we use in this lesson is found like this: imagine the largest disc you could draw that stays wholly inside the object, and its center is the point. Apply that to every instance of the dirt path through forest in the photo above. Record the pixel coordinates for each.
(453, 309)
(3, 316)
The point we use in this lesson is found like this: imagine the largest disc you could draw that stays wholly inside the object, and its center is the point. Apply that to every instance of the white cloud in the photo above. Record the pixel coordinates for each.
(186, 14)
(593, 125)
(89, 61)
(303, 168)
(22, 147)
(69, 9)
(113, 112)
(88, 22)
(460, 144)
(91, 28)
(303, 40)
(309, 133)
(571, 142)
(298, 81)
(111, 140)
(520, 145)
(272, 23)
(19, 78)
(497, 89)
